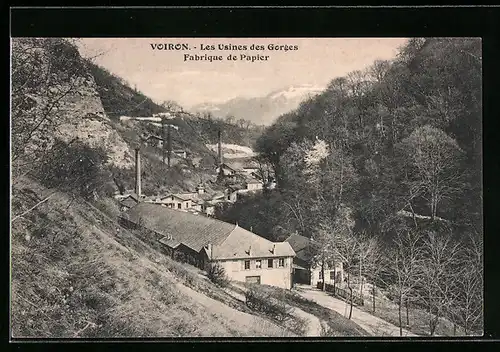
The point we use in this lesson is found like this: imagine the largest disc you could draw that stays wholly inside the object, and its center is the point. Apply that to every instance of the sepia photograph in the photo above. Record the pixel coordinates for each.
(246, 187)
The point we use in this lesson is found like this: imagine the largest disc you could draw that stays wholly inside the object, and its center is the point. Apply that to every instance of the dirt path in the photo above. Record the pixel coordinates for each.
(313, 322)
(374, 325)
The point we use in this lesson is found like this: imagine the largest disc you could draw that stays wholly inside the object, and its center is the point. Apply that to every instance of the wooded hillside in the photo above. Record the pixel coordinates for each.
(384, 153)
(193, 133)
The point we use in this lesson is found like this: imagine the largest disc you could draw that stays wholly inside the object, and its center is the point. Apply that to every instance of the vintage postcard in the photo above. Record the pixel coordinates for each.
(246, 187)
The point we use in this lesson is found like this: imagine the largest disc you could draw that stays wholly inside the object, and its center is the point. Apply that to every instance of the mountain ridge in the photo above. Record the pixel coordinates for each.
(262, 109)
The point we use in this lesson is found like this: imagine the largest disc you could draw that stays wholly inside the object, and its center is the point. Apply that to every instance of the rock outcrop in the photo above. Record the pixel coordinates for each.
(64, 102)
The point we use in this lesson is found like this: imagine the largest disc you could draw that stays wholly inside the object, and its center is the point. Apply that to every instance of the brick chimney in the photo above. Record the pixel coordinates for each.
(138, 172)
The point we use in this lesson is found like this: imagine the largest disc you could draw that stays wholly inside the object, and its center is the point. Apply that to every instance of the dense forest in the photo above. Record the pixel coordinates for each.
(384, 169)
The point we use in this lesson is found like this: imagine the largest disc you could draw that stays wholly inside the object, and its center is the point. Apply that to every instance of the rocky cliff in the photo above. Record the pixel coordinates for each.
(55, 96)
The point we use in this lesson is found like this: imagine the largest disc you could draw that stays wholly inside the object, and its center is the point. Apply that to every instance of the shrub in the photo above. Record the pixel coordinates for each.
(109, 207)
(217, 274)
(259, 299)
(74, 168)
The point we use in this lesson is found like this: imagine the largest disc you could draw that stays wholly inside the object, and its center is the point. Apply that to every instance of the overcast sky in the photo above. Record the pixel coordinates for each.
(164, 75)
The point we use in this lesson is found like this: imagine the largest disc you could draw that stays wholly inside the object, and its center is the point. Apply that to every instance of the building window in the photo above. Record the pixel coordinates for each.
(247, 264)
(258, 264)
(332, 275)
(281, 262)
(269, 263)
(179, 206)
(321, 275)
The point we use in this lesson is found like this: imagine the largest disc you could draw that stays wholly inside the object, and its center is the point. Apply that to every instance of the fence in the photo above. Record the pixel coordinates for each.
(344, 294)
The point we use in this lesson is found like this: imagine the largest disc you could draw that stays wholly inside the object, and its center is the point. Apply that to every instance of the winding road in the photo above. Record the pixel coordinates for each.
(372, 324)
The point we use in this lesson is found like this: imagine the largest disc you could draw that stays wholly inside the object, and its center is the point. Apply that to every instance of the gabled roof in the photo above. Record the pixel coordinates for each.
(256, 175)
(184, 196)
(224, 165)
(242, 243)
(196, 232)
(192, 230)
(303, 246)
(130, 200)
(180, 196)
(298, 242)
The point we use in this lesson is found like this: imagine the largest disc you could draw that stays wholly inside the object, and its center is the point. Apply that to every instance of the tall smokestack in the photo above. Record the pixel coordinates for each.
(137, 172)
(220, 147)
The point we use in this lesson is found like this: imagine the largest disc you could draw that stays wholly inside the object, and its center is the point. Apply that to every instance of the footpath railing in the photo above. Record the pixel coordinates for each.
(342, 293)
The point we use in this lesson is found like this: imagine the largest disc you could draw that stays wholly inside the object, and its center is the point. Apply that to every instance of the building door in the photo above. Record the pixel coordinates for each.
(252, 279)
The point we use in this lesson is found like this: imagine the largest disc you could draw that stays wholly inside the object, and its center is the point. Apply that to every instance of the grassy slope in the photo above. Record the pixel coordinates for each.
(75, 273)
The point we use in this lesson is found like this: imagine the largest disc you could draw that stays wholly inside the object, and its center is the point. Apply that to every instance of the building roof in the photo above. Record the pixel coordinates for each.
(256, 176)
(173, 243)
(296, 266)
(242, 243)
(181, 196)
(130, 200)
(224, 165)
(196, 232)
(252, 180)
(192, 230)
(303, 246)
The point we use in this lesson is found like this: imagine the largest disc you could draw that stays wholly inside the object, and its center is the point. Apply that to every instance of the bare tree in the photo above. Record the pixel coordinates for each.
(405, 263)
(438, 276)
(324, 251)
(379, 69)
(467, 305)
(346, 245)
(263, 169)
(230, 119)
(44, 73)
(371, 261)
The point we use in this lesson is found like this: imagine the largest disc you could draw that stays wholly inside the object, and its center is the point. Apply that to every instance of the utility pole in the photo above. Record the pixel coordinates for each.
(169, 145)
(138, 172)
(163, 139)
(155, 119)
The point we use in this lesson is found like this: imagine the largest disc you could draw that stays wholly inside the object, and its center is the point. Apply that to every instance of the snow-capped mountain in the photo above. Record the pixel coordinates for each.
(262, 110)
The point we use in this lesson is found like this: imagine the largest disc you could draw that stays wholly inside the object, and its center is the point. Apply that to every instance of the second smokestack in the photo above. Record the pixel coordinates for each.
(138, 172)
